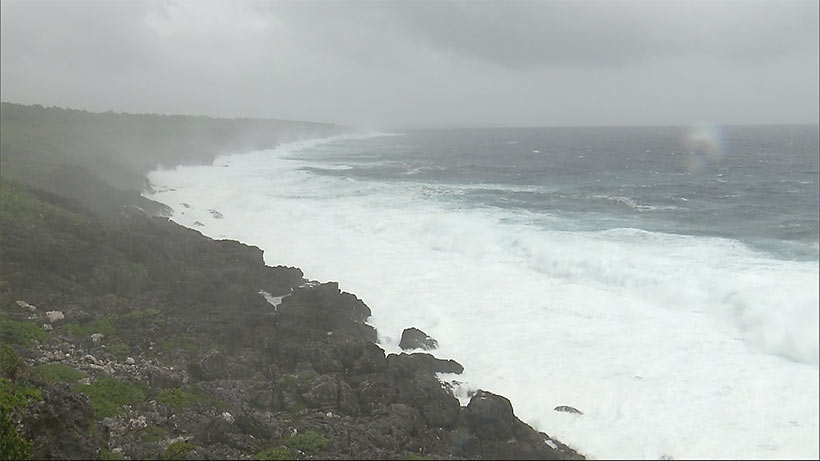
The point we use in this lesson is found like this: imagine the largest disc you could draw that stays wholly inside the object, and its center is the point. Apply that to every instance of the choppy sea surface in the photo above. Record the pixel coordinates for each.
(664, 281)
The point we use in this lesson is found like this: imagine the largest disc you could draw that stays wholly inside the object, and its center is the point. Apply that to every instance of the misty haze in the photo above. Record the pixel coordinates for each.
(409, 230)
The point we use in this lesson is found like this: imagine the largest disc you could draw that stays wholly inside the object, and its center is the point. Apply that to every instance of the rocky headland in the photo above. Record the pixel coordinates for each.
(127, 336)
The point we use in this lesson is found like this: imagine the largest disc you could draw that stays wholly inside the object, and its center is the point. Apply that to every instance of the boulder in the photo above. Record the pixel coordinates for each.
(323, 393)
(490, 416)
(27, 306)
(568, 409)
(212, 366)
(438, 407)
(161, 378)
(251, 425)
(413, 338)
(53, 316)
(216, 430)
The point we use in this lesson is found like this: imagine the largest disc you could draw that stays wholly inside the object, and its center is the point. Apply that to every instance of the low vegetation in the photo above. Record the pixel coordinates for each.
(178, 399)
(178, 341)
(14, 399)
(104, 325)
(178, 450)
(300, 381)
(272, 454)
(20, 204)
(108, 455)
(56, 373)
(310, 442)
(12, 444)
(149, 315)
(120, 350)
(22, 333)
(108, 396)
(152, 434)
(10, 362)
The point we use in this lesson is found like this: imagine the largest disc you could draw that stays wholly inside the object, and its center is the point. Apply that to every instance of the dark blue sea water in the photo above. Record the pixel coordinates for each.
(757, 184)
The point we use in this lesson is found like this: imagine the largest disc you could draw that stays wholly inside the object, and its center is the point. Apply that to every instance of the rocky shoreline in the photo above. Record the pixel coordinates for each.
(130, 337)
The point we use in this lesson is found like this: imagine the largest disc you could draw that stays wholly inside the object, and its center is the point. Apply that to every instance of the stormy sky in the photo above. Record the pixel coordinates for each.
(411, 64)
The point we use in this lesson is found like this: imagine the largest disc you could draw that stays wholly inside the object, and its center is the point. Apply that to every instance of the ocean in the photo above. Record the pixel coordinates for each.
(662, 280)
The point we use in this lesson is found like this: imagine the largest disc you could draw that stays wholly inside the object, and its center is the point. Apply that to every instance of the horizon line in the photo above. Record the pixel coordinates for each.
(444, 126)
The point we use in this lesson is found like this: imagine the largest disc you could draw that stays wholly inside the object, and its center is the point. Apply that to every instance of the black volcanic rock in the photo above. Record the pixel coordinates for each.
(568, 409)
(212, 365)
(490, 416)
(424, 362)
(396, 427)
(323, 310)
(413, 338)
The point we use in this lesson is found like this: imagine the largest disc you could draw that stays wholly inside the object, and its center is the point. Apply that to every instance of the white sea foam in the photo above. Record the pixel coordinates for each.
(671, 345)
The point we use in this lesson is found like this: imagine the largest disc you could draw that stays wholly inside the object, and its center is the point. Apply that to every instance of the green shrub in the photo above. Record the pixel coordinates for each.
(295, 410)
(153, 434)
(11, 400)
(111, 300)
(22, 333)
(273, 454)
(298, 382)
(57, 373)
(178, 450)
(178, 399)
(104, 325)
(19, 204)
(119, 350)
(96, 434)
(148, 314)
(108, 455)
(12, 444)
(108, 396)
(178, 341)
(416, 457)
(310, 442)
(10, 362)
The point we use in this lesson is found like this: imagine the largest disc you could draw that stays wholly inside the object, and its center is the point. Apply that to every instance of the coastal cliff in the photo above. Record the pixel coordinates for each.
(127, 336)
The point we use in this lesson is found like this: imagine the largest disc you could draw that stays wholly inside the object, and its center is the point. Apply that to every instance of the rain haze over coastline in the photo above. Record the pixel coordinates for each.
(391, 65)
(611, 205)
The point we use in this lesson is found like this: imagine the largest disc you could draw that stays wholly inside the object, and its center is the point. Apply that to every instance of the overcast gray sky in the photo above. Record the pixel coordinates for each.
(393, 64)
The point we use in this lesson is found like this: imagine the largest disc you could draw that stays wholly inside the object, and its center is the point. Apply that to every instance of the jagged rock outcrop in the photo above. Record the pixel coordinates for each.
(413, 338)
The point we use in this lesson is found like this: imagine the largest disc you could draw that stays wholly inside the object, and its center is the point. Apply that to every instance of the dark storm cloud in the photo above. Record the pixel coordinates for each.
(526, 34)
(572, 33)
(420, 63)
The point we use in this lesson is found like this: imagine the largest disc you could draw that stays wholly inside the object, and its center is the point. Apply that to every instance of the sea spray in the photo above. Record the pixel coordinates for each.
(672, 345)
